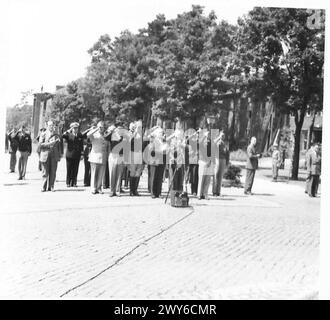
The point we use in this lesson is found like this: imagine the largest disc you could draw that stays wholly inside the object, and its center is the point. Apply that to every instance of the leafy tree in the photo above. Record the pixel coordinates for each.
(191, 52)
(179, 68)
(19, 115)
(171, 69)
(74, 103)
(287, 56)
(121, 76)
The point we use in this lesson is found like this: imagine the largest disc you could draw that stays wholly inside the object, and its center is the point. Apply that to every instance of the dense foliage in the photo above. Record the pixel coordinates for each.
(18, 116)
(286, 53)
(179, 68)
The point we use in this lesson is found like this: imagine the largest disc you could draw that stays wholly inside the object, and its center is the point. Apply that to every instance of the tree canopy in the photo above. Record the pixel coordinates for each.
(18, 116)
(178, 68)
(172, 68)
(287, 56)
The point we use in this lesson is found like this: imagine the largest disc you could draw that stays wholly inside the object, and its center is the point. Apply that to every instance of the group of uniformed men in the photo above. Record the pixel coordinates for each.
(20, 141)
(112, 153)
(115, 153)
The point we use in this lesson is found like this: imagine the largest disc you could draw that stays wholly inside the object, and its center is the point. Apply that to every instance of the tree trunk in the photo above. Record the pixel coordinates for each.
(233, 125)
(299, 120)
(147, 120)
(310, 132)
(195, 122)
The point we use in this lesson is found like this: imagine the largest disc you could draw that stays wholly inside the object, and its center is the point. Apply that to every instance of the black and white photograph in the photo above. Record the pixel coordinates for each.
(164, 150)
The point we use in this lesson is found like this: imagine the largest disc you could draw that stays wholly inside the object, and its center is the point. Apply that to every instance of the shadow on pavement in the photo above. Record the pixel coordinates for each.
(284, 178)
(260, 167)
(222, 199)
(235, 196)
(124, 195)
(15, 184)
(69, 189)
(188, 207)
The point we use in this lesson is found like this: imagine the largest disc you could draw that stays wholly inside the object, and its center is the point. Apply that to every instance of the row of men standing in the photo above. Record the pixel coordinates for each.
(313, 166)
(179, 169)
(20, 141)
(103, 168)
(102, 154)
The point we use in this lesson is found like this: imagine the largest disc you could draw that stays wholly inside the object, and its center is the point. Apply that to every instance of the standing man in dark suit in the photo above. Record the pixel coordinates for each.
(12, 149)
(251, 165)
(314, 170)
(24, 143)
(50, 154)
(75, 141)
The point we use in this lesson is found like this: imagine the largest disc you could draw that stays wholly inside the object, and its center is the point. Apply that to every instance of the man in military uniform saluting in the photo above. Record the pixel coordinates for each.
(75, 141)
(13, 145)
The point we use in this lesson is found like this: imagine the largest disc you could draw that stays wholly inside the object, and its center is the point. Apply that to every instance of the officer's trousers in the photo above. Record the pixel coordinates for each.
(313, 185)
(250, 173)
(13, 160)
(205, 172)
(72, 167)
(156, 179)
(87, 174)
(97, 174)
(219, 171)
(49, 173)
(22, 163)
(116, 167)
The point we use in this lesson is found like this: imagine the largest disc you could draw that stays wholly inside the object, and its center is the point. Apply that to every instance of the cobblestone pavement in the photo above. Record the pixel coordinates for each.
(72, 244)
